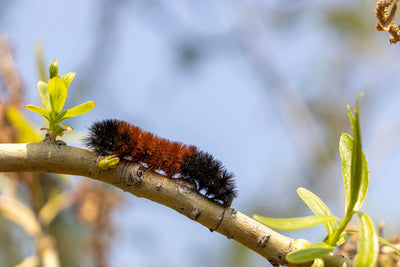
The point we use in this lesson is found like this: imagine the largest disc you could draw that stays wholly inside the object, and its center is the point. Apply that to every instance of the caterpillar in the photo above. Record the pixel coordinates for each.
(129, 142)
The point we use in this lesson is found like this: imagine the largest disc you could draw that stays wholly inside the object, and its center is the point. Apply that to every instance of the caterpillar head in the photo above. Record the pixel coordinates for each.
(103, 137)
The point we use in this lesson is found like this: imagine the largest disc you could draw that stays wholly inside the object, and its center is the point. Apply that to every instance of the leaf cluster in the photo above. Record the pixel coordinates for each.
(53, 95)
(356, 179)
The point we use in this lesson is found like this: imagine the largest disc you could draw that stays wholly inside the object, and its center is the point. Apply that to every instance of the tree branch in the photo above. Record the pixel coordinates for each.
(177, 194)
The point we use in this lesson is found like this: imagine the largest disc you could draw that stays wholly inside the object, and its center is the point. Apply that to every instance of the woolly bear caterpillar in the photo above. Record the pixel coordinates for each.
(117, 137)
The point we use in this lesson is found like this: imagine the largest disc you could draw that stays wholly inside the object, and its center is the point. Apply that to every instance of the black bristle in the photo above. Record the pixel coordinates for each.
(211, 176)
(96, 138)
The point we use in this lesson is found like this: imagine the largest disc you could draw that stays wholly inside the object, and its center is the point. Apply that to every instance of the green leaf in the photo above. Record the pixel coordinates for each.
(362, 192)
(79, 110)
(356, 162)
(356, 185)
(368, 245)
(358, 170)
(318, 262)
(318, 207)
(290, 224)
(57, 93)
(310, 253)
(38, 110)
(59, 117)
(67, 78)
(53, 69)
(345, 147)
(341, 240)
(44, 94)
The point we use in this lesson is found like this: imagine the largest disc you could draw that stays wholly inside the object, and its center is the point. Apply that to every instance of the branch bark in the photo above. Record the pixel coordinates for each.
(174, 193)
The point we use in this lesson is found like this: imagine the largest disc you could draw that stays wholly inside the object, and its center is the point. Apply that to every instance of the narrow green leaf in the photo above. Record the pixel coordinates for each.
(356, 160)
(387, 243)
(362, 192)
(57, 93)
(341, 240)
(38, 110)
(318, 207)
(310, 253)
(44, 94)
(318, 262)
(290, 224)
(67, 78)
(59, 117)
(354, 196)
(345, 147)
(368, 245)
(357, 182)
(79, 110)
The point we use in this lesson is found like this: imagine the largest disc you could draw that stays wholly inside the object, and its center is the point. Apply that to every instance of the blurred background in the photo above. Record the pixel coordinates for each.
(262, 85)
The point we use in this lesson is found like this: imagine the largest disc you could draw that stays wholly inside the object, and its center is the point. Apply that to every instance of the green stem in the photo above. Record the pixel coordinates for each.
(54, 129)
(342, 225)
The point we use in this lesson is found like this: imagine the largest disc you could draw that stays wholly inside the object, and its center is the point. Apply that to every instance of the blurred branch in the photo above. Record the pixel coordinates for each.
(21, 215)
(10, 90)
(174, 193)
(53, 207)
(32, 261)
(8, 72)
(95, 203)
(42, 71)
